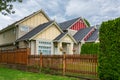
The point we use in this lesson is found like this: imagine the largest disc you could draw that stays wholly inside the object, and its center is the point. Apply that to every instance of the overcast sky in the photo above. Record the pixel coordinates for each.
(95, 11)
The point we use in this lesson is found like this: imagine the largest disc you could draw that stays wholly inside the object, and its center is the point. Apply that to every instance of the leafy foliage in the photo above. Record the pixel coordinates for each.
(87, 22)
(6, 6)
(109, 56)
(90, 48)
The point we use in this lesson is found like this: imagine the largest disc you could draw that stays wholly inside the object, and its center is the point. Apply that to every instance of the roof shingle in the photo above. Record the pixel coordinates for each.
(34, 31)
(81, 34)
(60, 36)
(67, 24)
(12, 25)
(94, 36)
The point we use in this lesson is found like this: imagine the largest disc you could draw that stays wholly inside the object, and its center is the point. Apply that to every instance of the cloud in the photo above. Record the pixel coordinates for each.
(95, 11)
(52, 8)
(61, 18)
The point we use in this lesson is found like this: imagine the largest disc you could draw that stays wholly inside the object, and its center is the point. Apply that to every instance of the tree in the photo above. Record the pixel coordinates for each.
(6, 6)
(109, 55)
(87, 22)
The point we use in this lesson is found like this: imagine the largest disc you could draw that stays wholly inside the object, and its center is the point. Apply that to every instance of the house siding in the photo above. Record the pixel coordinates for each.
(67, 39)
(77, 48)
(33, 47)
(78, 25)
(49, 34)
(32, 23)
(8, 37)
(22, 44)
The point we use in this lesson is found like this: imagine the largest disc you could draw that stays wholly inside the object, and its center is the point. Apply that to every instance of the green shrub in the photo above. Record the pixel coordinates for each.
(90, 48)
(109, 56)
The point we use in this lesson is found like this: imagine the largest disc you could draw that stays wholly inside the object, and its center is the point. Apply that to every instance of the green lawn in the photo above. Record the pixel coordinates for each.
(10, 74)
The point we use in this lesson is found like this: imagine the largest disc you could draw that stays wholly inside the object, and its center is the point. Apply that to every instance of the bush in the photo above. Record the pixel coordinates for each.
(90, 48)
(109, 56)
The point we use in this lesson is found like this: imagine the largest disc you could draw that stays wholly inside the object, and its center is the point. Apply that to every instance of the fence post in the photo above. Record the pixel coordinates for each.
(27, 58)
(64, 63)
(41, 60)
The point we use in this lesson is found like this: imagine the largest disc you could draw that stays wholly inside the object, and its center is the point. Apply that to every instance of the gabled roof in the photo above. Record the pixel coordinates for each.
(21, 20)
(35, 31)
(65, 25)
(62, 35)
(82, 33)
(94, 36)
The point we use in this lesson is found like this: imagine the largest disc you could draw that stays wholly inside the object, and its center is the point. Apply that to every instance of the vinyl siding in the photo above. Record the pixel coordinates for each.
(49, 34)
(32, 23)
(78, 25)
(8, 37)
(67, 39)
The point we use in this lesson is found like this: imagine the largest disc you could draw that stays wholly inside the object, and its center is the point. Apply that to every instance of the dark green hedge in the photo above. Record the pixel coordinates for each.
(90, 48)
(109, 56)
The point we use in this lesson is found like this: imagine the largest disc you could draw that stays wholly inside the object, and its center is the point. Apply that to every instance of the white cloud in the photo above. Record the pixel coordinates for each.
(95, 11)
(58, 18)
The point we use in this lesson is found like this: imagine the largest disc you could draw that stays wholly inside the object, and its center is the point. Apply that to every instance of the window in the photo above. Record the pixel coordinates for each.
(24, 28)
(44, 47)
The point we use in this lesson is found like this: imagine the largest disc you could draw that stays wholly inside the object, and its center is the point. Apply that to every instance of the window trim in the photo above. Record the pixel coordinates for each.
(25, 26)
(46, 46)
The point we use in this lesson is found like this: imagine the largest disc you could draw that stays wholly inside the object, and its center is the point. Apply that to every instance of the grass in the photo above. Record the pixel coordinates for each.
(10, 74)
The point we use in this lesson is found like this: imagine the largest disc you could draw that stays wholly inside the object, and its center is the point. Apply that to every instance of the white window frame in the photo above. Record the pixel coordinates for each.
(22, 28)
(44, 46)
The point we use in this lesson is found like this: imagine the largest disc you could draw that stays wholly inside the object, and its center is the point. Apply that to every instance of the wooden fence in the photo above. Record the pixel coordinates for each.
(75, 65)
(16, 56)
(78, 65)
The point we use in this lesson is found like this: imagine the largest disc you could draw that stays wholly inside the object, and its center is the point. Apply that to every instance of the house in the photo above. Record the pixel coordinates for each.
(80, 31)
(10, 34)
(73, 25)
(38, 33)
(41, 34)
(47, 38)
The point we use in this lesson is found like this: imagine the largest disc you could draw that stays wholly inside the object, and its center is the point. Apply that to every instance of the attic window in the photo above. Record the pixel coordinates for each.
(24, 28)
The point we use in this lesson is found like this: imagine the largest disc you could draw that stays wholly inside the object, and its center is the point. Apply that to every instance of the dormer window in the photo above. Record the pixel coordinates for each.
(24, 28)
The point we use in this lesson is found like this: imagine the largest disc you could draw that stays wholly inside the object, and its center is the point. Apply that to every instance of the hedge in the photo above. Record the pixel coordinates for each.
(90, 48)
(109, 56)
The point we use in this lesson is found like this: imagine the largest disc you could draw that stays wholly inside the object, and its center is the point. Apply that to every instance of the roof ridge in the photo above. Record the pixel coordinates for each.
(66, 24)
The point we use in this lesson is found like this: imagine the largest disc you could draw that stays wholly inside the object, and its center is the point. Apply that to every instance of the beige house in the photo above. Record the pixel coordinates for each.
(10, 34)
(38, 33)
